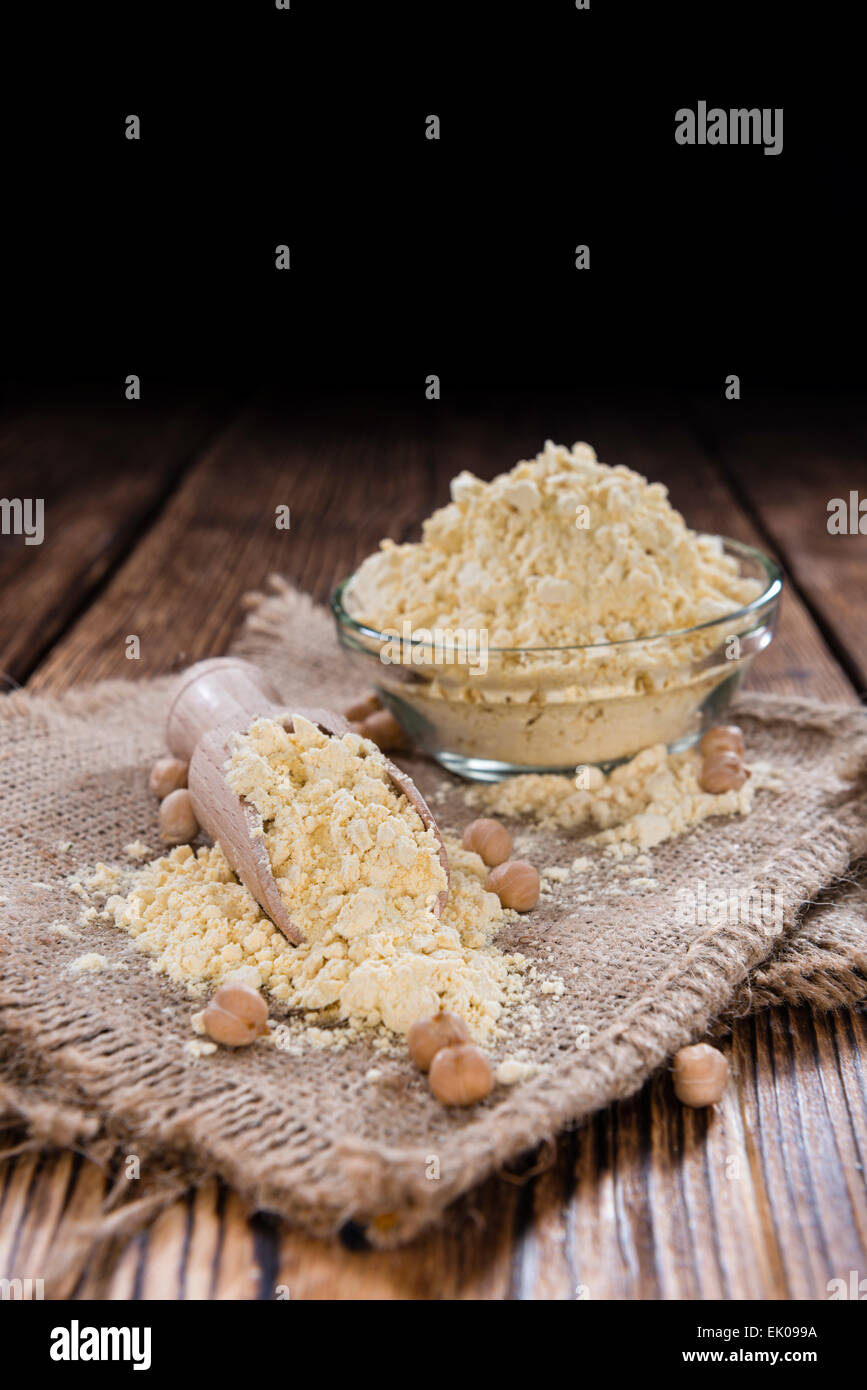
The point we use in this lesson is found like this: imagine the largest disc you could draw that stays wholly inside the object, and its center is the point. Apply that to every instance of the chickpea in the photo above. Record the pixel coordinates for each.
(701, 1074)
(428, 1035)
(383, 730)
(368, 703)
(723, 772)
(489, 839)
(167, 775)
(722, 738)
(516, 884)
(178, 824)
(460, 1075)
(237, 1015)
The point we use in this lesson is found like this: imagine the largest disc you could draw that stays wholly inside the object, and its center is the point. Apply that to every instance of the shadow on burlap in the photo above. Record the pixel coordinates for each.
(98, 1062)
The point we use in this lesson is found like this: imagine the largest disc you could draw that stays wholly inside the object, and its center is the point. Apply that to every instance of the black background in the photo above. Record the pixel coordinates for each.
(411, 256)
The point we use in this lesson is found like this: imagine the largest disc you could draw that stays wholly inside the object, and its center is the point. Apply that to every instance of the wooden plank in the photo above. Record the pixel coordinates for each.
(17, 1195)
(45, 1199)
(470, 1259)
(543, 1264)
(763, 1198)
(42, 1216)
(238, 1274)
(100, 474)
(163, 1263)
(787, 462)
(203, 1246)
(664, 1205)
(180, 590)
(83, 1205)
(124, 1278)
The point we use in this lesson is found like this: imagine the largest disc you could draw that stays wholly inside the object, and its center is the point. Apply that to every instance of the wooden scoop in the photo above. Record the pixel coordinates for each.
(220, 697)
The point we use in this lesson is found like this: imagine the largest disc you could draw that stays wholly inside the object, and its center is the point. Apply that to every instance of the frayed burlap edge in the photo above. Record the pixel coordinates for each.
(823, 962)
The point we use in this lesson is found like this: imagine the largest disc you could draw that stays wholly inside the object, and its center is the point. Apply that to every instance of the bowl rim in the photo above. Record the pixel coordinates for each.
(774, 587)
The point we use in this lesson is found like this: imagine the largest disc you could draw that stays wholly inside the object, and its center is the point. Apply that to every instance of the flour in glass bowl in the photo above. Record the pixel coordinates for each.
(561, 551)
(586, 591)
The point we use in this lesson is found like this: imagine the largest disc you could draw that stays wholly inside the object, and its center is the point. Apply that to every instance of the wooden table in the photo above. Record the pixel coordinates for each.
(159, 517)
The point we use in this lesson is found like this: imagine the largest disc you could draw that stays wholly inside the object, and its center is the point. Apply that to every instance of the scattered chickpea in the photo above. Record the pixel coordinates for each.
(489, 839)
(701, 1074)
(386, 1221)
(383, 729)
(724, 772)
(178, 824)
(722, 738)
(428, 1035)
(516, 884)
(460, 1075)
(237, 1015)
(365, 705)
(167, 775)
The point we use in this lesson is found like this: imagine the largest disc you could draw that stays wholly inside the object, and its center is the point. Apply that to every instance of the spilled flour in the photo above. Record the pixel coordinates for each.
(203, 927)
(360, 875)
(653, 798)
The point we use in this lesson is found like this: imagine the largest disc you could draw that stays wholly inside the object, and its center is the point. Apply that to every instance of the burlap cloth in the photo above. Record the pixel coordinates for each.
(99, 1062)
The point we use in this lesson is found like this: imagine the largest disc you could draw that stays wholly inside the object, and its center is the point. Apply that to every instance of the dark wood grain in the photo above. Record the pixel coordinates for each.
(180, 589)
(101, 476)
(786, 465)
(765, 1197)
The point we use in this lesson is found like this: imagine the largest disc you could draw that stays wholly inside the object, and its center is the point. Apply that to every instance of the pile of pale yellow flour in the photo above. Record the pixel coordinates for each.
(562, 550)
(642, 803)
(359, 873)
(348, 851)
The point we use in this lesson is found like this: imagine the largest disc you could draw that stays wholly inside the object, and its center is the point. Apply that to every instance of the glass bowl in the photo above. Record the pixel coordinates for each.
(489, 712)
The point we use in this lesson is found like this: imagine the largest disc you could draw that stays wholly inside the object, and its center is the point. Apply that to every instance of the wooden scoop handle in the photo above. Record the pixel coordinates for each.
(236, 824)
(213, 700)
(214, 694)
